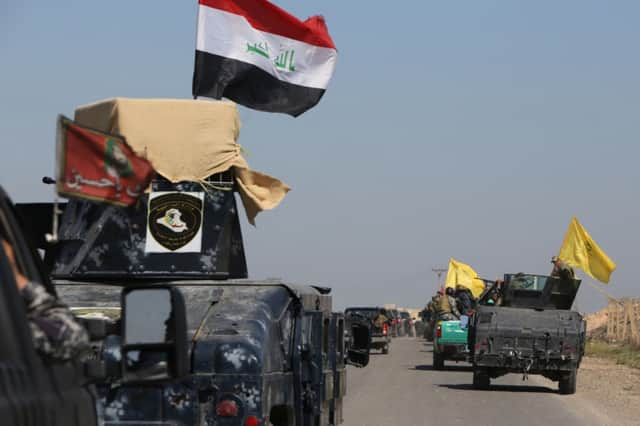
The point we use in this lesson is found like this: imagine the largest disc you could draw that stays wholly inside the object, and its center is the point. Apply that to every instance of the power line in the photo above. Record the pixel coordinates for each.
(439, 272)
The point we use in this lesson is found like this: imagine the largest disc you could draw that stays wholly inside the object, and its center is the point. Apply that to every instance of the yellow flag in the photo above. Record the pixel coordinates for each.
(580, 251)
(462, 274)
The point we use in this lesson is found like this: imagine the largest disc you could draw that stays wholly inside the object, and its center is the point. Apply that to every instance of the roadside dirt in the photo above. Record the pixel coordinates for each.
(612, 389)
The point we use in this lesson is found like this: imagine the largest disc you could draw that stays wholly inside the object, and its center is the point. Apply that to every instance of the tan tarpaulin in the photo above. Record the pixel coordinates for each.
(186, 140)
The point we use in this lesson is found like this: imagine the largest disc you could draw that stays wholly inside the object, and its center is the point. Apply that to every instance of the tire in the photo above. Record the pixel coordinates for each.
(385, 349)
(567, 383)
(438, 361)
(481, 379)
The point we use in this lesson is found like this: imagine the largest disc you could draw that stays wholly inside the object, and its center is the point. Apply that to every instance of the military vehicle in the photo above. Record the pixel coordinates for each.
(40, 390)
(531, 330)
(449, 343)
(259, 352)
(380, 336)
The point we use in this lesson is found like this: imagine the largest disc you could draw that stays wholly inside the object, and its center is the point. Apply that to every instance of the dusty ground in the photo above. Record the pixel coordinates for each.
(615, 389)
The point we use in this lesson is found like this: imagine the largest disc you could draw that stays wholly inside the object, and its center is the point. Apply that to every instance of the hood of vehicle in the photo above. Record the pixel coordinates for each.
(237, 329)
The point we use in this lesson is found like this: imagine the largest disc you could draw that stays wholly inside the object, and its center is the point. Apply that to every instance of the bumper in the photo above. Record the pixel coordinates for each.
(379, 341)
(457, 351)
(516, 363)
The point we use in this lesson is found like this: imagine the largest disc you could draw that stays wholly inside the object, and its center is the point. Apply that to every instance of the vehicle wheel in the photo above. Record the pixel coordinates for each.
(481, 379)
(385, 349)
(438, 361)
(567, 383)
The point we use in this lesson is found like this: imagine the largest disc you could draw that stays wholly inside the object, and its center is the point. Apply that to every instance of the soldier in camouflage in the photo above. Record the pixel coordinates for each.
(447, 309)
(561, 269)
(56, 332)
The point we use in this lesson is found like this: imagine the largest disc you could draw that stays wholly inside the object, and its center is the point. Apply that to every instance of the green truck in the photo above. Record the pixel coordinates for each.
(449, 343)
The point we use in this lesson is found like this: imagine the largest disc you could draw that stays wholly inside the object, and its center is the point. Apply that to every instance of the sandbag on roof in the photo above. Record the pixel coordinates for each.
(186, 140)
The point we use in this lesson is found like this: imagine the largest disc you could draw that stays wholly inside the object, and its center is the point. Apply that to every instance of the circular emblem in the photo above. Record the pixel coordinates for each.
(174, 219)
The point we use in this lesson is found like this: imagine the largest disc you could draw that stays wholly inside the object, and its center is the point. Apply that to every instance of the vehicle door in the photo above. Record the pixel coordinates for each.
(35, 390)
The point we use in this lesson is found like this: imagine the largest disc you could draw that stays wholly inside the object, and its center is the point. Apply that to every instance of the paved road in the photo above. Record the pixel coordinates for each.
(402, 389)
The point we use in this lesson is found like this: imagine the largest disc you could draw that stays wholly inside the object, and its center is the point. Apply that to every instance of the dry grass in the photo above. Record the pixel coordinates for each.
(620, 353)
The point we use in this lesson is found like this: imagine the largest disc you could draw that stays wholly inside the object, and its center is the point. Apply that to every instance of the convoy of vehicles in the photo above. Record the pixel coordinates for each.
(184, 338)
(406, 323)
(260, 351)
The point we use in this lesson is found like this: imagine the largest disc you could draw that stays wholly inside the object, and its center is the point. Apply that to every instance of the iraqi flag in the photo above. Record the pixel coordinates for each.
(260, 56)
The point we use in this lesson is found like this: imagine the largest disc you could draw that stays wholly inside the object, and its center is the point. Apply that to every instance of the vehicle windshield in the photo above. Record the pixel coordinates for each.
(369, 313)
(405, 315)
(529, 290)
(526, 281)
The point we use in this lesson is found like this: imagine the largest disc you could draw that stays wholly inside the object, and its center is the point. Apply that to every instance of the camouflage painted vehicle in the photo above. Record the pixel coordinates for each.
(261, 352)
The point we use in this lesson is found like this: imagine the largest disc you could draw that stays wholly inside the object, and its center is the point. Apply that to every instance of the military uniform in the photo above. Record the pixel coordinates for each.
(380, 320)
(465, 301)
(447, 309)
(562, 270)
(56, 332)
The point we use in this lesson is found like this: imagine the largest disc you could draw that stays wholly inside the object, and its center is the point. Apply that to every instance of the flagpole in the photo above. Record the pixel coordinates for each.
(53, 236)
(603, 291)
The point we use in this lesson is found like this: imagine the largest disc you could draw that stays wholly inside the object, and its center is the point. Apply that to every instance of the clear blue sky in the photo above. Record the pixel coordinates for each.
(472, 130)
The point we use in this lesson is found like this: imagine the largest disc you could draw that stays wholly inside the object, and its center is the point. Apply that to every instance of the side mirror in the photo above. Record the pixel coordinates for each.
(358, 354)
(154, 334)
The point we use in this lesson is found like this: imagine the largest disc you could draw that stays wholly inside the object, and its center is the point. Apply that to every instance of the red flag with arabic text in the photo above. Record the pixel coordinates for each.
(98, 166)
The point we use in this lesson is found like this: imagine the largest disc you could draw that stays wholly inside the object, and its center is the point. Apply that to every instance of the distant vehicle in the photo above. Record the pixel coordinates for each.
(380, 336)
(532, 331)
(394, 315)
(407, 323)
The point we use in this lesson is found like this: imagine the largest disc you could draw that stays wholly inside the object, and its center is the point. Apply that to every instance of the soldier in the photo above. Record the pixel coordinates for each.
(495, 295)
(561, 269)
(465, 301)
(54, 329)
(380, 319)
(447, 309)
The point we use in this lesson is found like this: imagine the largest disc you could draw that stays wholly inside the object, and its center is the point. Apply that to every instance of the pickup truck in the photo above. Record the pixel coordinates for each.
(380, 336)
(449, 343)
(531, 330)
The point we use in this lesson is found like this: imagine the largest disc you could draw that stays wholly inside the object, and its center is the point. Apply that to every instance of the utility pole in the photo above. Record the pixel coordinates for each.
(439, 272)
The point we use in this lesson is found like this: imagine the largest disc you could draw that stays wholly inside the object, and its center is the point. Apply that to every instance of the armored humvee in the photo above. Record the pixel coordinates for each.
(260, 352)
(530, 330)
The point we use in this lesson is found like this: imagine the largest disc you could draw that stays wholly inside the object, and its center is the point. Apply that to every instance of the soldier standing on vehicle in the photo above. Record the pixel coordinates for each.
(54, 329)
(465, 300)
(561, 269)
(447, 309)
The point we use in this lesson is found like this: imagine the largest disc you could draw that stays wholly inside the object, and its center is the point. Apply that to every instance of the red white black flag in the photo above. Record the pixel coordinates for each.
(260, 56)
(98, 166)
